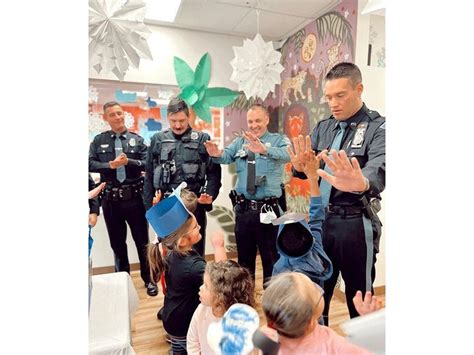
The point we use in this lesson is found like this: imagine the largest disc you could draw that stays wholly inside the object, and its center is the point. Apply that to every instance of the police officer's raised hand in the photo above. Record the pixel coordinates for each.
(346, 174)
(205, 199)
(213, 149)
(254, 143)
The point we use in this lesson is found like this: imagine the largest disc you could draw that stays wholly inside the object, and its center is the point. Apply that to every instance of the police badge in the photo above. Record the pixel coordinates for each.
(194, 135)
(359, 135)
(132, 142)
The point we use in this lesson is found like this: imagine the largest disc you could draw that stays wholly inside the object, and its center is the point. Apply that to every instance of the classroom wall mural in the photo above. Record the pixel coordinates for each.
(298, 103)
(145, 108)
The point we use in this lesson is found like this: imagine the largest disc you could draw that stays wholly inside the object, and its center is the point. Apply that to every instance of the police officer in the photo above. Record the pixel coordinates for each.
(260, 157)
(119, 156)
(177, 154)
(351, 232)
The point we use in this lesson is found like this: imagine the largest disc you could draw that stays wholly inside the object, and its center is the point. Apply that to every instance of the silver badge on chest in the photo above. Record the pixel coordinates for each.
(132, 142)
(194, 135)
(359, 135)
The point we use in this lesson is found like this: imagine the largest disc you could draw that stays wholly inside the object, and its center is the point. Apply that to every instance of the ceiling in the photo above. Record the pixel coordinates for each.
(277, 19)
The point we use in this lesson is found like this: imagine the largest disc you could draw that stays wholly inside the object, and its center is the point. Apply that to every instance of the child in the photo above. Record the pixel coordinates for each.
(183, 267)
(299, 243)
(225, 283)
(190, 201)
(292, 305)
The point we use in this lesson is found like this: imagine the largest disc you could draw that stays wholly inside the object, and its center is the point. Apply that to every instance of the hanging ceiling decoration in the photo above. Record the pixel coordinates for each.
(117, 35)
(194, 90)
(256, 66)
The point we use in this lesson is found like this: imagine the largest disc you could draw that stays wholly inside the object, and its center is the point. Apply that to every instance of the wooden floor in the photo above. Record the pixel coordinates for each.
(148, 335)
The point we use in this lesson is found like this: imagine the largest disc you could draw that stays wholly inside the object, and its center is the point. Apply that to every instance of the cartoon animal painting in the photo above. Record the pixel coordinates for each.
(295, 125)
(296, 84)
(333, 59)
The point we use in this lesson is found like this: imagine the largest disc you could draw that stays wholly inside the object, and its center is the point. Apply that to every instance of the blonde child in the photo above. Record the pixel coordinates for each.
(225, 283)
(177, 229)
(292, 305)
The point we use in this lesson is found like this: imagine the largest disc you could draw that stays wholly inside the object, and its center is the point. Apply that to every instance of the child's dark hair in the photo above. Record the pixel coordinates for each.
(171, 242)
(230, 283)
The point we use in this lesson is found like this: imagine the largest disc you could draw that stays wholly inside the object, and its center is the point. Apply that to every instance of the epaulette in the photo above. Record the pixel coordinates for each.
(373, 114)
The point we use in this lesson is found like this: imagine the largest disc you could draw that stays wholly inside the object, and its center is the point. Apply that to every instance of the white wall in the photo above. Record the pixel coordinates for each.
(373, 79)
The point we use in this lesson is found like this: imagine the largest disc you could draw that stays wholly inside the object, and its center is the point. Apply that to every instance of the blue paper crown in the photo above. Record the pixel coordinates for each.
(168, 214)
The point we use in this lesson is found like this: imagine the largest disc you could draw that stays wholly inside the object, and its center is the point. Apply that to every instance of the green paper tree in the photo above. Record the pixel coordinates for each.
(194, 90)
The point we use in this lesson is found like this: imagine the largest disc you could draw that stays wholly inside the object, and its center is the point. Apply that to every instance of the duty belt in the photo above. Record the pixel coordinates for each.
(345, 210)
(256, 205)
(124, 192)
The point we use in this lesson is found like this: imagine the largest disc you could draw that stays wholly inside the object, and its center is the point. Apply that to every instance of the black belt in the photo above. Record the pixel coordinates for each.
(123, 192)
(256, 205)
(345, 210)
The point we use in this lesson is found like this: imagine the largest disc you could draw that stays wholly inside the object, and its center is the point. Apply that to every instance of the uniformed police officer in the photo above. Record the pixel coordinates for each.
(260, 157)
(351, 232)
(119, 156)
(177, 154)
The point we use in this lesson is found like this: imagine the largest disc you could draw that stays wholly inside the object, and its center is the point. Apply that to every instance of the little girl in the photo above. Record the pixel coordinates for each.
(292, 305)
(225, 283)
(183, 267)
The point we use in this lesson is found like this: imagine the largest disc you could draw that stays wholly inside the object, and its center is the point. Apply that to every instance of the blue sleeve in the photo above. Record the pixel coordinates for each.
(228, 155)
(316, 218)
(280, 151)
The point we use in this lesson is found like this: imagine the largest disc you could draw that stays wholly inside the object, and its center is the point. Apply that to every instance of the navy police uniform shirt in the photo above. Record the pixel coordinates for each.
(102, 150)
(364, 139)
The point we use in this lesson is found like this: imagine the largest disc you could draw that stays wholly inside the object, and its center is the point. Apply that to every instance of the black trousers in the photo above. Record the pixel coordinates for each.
(116, 215)
(250, 234)
(201, 218)
(345, 243)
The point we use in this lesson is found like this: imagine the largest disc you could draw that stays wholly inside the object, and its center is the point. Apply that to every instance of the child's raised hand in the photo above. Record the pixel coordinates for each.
(217, 239)
(96, 191)
(368, 305)
(205, 199)
(296, 153)
(157, 197)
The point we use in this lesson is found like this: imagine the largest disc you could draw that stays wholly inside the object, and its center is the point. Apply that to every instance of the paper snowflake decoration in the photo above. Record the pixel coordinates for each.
(117, 35)
(93, 95)
(129, 120)
(96, 123)
(194, 90)
(256, 67)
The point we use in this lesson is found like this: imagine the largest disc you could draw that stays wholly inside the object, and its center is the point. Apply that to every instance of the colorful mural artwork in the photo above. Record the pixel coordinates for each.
(145, 108)
(298, 103)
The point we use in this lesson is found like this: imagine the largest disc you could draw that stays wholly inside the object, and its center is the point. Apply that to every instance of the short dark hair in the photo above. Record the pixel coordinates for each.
(110, 104)
(295, 240)
(176, 105)
(260, 106)
(345, 70)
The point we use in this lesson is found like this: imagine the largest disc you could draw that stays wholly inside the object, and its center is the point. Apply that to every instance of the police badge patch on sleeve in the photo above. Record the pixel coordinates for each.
(359, 135)
(194, 135)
